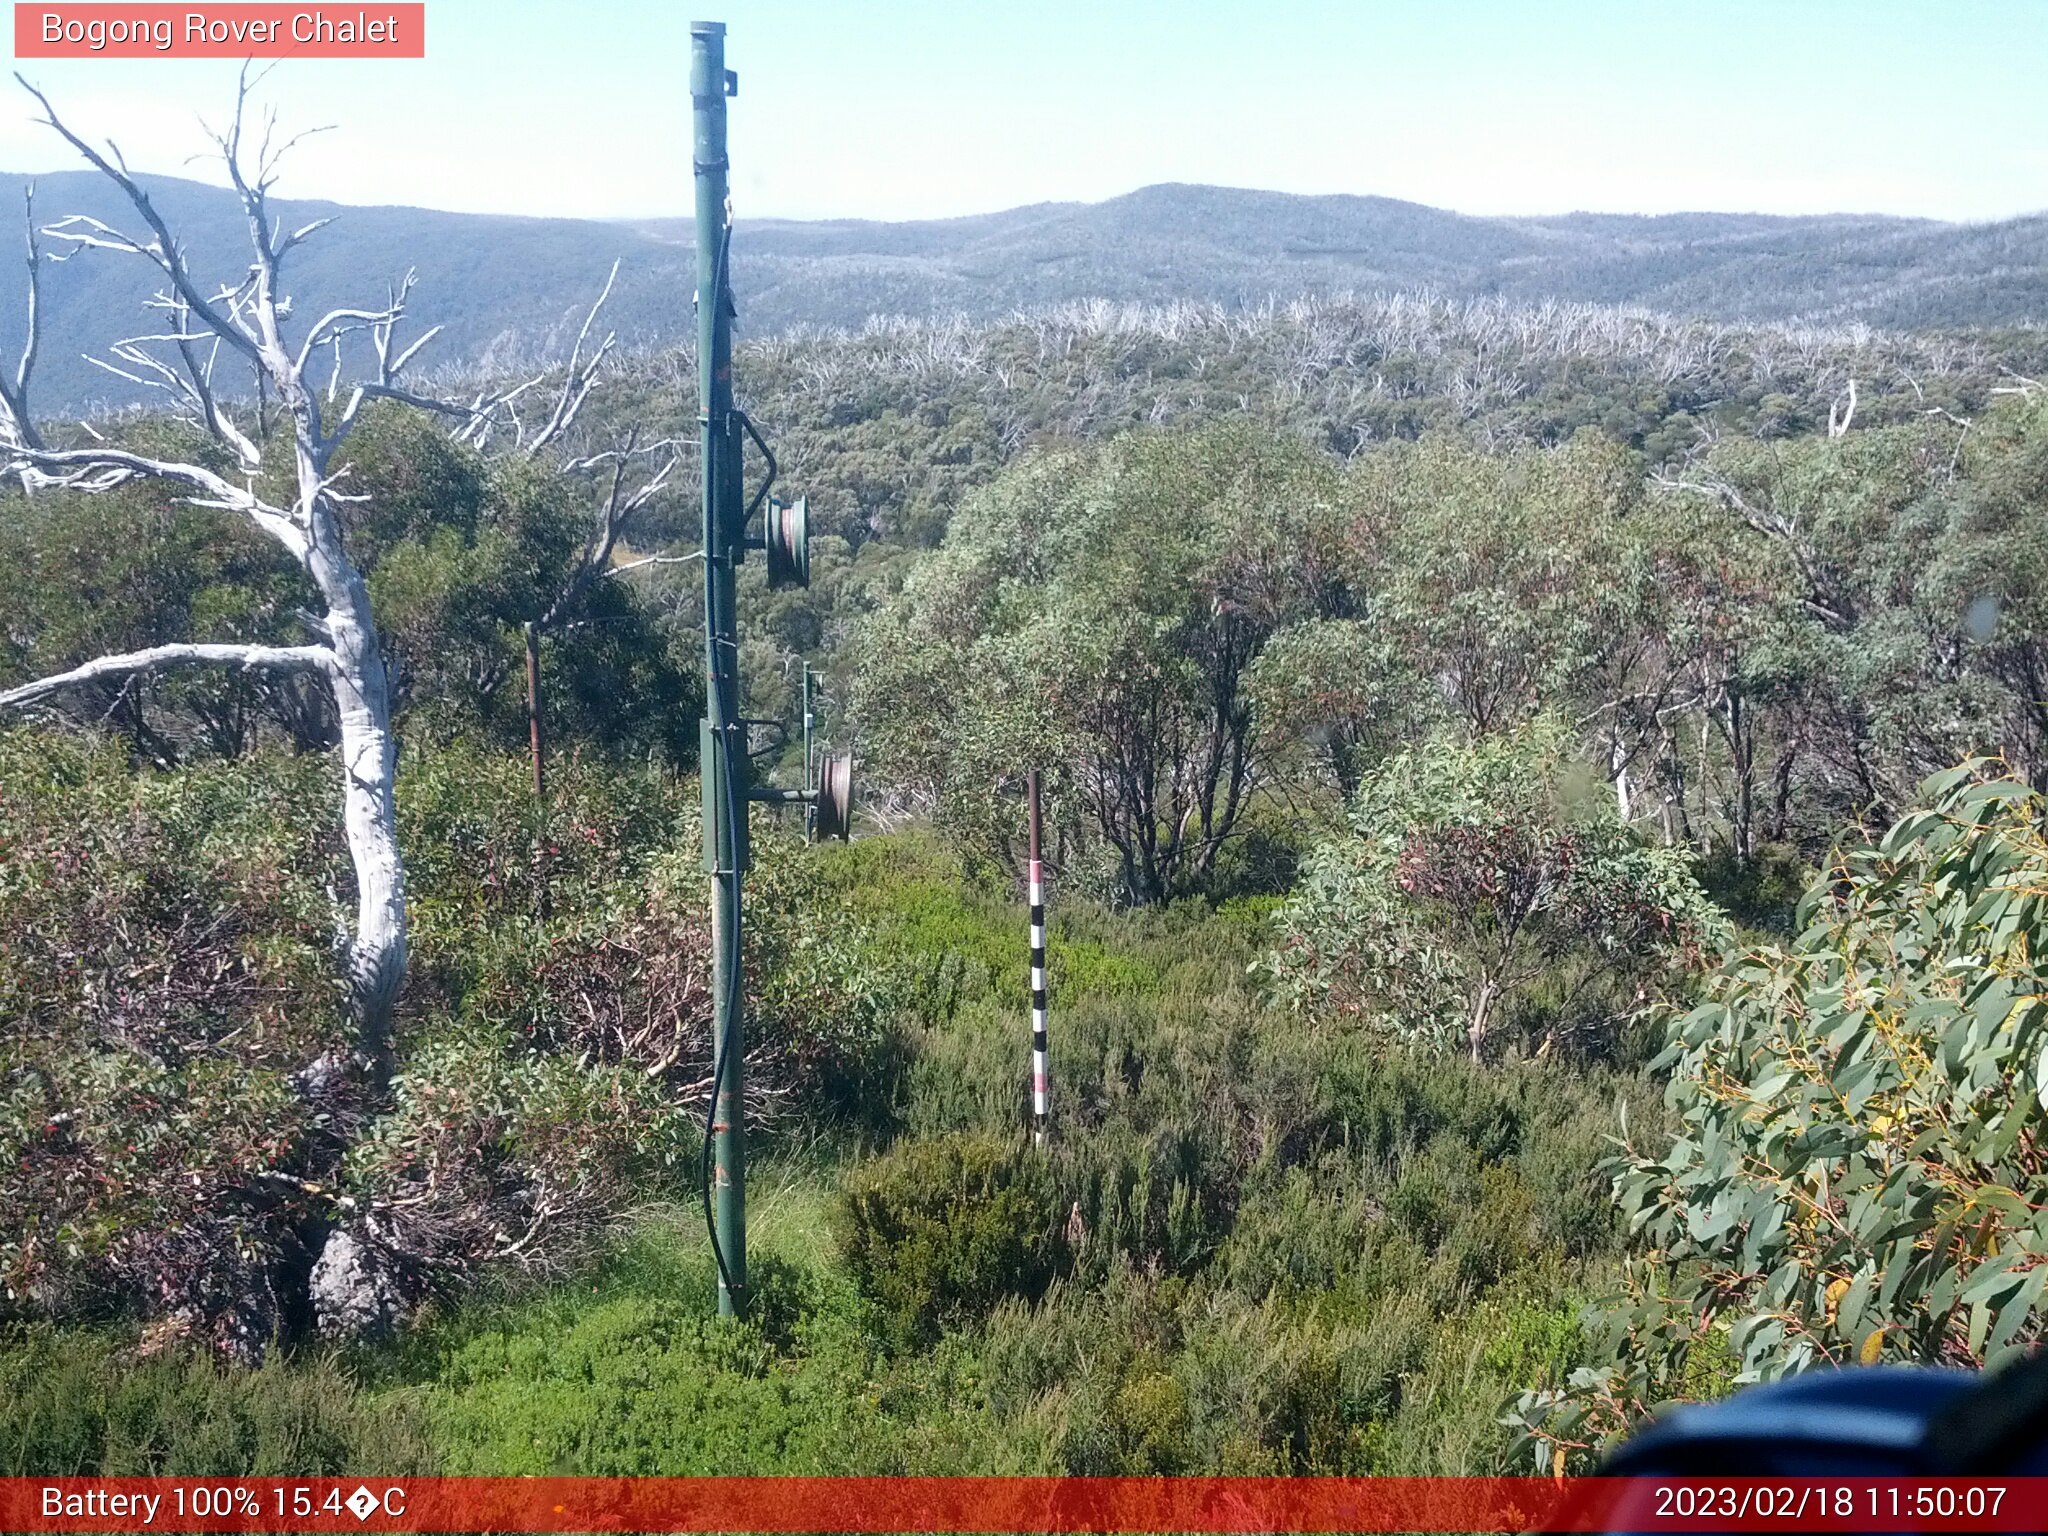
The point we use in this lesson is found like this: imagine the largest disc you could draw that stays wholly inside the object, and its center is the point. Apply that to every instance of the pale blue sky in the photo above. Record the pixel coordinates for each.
(917, 108)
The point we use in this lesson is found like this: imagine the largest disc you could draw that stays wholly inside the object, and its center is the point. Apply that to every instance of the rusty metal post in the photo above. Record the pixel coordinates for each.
(540, 779)
(533, 736)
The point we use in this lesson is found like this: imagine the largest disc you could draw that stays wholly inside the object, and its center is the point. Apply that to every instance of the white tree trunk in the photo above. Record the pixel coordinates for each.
(369, 769)
(1617, 761)
(354, 1283)
(247, 320)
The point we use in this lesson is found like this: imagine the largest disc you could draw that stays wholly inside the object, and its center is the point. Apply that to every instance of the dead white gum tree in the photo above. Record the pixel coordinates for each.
(244, 324)
(198, 328)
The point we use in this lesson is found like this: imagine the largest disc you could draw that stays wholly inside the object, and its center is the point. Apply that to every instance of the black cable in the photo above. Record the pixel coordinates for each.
(720, 1063)
(727, 709)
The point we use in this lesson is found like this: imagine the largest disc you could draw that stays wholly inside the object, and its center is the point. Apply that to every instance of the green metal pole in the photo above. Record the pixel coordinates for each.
(722, 766)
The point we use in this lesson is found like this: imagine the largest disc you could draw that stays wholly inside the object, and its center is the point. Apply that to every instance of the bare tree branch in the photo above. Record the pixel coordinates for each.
(191, 384)
(101, 468)
(15, 397)
(581, 376)
(1841, 414)
(247, 316)
(165, 252)
(646, 560)
(614, 512)
(475, 418)
(1821, 596)
(158, 658)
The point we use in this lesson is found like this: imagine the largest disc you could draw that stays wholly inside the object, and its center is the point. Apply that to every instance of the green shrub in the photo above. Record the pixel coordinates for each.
(1160, 1200)
(1861, 1112)
(939, 1231)
(624, 1370)
(1763, 893)
(1486, 887)
(945, 944)
(636, 1387)
(83, 1404)
(172, 1136)
(1145, 1376)
(165, 967)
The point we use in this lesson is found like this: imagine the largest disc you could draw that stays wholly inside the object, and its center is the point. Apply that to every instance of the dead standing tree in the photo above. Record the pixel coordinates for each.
(379, 1244)
(618, 498)
(247, 319)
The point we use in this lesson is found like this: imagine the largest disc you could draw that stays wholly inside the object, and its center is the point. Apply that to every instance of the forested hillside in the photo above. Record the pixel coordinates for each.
(1238, 247)
(1535, 791)
(510, 290)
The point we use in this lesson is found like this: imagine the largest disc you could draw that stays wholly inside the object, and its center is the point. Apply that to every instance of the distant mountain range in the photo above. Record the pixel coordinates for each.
(513, 289)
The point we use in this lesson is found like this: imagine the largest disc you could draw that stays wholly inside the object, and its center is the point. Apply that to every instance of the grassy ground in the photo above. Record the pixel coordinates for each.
(1256, 1245)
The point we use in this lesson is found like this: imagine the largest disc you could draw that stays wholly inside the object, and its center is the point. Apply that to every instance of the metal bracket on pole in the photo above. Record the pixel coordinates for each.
(810, 811)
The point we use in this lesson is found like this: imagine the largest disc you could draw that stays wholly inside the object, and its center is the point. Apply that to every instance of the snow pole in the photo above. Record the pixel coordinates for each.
(1039, 1065)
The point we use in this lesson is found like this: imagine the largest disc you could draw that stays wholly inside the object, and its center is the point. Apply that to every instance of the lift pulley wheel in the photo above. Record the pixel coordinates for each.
(834, 804)
(786, 531)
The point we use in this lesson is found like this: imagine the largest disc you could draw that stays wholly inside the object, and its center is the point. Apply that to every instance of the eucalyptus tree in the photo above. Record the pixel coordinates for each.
(1340, 693)
(1096, 613)
(1986, 586)
(1521, 580)
(1832, 590)
(1856, 1120)
(1473, 875)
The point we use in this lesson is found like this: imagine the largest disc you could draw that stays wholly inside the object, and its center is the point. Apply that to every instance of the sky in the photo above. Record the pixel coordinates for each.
(895, 109)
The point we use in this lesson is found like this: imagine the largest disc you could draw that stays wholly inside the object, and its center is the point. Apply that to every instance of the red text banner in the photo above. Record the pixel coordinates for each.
(1048, 1504)
(236, 31)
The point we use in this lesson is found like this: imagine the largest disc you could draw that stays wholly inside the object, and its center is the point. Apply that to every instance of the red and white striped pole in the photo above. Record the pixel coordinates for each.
(1038, 1044)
